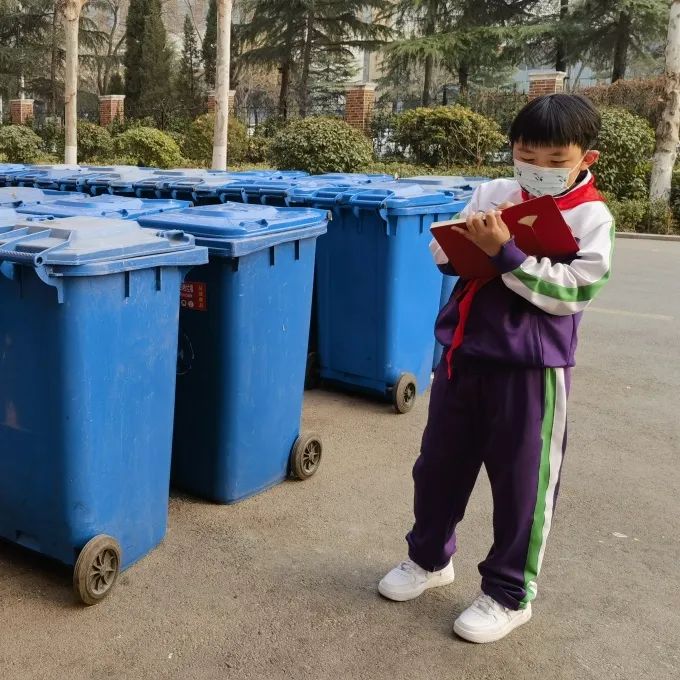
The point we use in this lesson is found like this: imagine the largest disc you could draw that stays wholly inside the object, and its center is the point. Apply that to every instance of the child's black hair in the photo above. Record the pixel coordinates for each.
(557, 120)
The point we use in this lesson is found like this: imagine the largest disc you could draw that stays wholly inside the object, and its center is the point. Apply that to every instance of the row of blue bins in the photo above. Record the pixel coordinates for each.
(101, 276)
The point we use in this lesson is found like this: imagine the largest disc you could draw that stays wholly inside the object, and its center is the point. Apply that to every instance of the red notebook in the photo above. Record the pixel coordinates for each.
(537, 225)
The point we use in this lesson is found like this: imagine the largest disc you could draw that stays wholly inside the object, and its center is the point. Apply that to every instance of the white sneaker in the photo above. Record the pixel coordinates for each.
(408, 581)
(486, 620)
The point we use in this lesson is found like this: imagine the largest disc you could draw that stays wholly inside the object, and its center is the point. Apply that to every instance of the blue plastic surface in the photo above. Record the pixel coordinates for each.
(87, 377)
(147, 187)
(20, 196)
(45, 176)
(275, 191)
(244, 328)
(8, 171)
(124, 183)
(378, 292)
(232, 187)
(106, 205)
(8, 217)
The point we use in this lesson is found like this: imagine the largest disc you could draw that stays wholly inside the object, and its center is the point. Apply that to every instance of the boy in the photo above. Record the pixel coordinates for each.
(499, 395)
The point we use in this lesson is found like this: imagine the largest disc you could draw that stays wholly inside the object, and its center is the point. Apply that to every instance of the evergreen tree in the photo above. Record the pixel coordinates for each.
(209, 47)
(291, 34)
(156, 91)
(116, 85)
(610, 32)
(134, 35)
(188, 77)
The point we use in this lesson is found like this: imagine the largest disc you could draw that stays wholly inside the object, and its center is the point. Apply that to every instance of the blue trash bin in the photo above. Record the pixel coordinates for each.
(16, 197)
(89, 321)
(8, 171)
(275, 191)
(244, 327)
(233, 186)
(378, 292)
(8, 218)
(45, 176)
(123, 207)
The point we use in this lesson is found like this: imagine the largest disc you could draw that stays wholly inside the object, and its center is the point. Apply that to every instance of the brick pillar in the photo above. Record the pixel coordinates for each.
(359, 104)
(545, 82)
(111, 107)
(211, 101)
(20, 111)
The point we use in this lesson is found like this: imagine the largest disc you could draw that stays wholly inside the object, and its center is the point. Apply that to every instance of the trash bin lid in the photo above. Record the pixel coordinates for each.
(103, 206)
(237, 229)
(18, 196)
(93, 247)
(8, 218)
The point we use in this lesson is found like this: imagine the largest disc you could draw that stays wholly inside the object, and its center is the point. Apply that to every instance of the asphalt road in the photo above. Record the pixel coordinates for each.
(283, 585)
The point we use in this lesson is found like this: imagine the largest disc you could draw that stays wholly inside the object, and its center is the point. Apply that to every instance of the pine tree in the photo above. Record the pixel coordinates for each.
(209, 47)
(134, 35)
(156, 90)
(291, 34)
(116, 85)
(188, 77)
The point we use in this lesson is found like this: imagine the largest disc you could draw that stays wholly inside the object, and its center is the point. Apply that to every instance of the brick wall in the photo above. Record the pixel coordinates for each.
(359, 104)
(211, 101)
(111, 107)
(20, 110)
(545, 82)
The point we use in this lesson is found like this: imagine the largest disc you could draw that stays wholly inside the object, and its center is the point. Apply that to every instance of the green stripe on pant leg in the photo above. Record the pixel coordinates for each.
(536, 535)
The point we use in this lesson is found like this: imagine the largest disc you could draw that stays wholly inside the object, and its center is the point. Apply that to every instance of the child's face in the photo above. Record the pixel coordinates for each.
(571, 157)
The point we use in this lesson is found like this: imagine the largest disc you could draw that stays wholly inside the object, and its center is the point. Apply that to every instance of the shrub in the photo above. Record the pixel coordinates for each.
(447, 135)
(19, 144)
(319, 145)
(642, 97)
(627, 143)
(148, 146)
(403, 169)
(93, 141)
(259, 142)
(642, 216)
(198, 141)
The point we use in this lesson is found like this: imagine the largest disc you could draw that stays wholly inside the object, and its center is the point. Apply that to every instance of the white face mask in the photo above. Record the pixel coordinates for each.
(539, 181)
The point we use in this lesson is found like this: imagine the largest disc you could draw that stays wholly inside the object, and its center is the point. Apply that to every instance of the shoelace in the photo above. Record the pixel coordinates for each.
(487, 605)
(409, 567)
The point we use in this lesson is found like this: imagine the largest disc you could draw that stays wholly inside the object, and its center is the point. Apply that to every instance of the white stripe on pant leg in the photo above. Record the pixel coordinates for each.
(556, 455)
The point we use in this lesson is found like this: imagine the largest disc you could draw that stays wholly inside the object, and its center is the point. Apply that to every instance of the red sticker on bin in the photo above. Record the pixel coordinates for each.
(193, 296)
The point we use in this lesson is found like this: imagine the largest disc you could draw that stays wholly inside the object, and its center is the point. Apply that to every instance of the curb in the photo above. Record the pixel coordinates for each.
(647, 237)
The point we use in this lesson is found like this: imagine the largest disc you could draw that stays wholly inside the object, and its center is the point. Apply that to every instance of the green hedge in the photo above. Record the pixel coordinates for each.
(20, 144)
(626, 142)
(198, 140)
(403, 169)
(319, 145)
(447, 135)
(148, 146)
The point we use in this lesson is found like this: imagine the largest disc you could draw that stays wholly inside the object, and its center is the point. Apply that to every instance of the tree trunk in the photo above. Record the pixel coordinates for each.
(667, 132)
(561, 55)
(224, 9)
(427, 80)
(71, 20)
(621, 47)
(463, 77)
(306, 64)
(285, 87)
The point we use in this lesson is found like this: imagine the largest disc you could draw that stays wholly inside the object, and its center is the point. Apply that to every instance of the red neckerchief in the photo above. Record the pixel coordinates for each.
(586, 193)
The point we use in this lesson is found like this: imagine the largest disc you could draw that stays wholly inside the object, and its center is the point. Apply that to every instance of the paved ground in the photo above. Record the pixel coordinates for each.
(283, 585)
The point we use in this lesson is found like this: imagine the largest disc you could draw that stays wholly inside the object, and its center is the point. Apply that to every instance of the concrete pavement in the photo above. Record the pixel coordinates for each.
(283, 585)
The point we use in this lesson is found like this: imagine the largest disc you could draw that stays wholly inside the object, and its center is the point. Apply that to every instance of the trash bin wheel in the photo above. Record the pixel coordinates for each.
(96, 569)
(306, 456)
(404, 393)
(313, 371)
